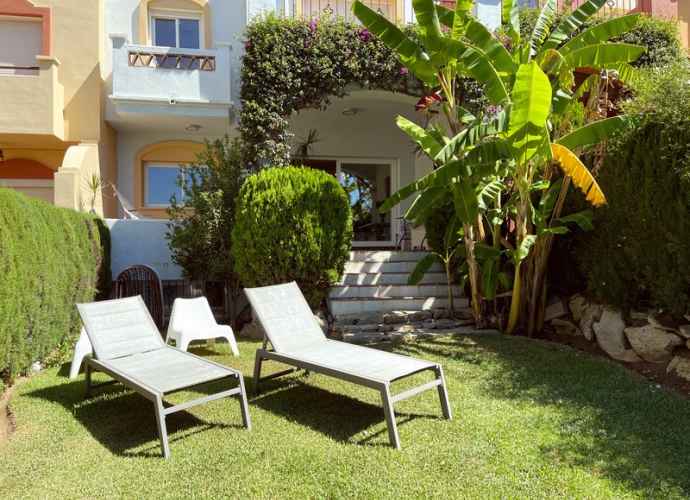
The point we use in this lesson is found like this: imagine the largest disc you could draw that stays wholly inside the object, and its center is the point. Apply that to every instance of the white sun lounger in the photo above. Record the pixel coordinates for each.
(297, 340)
(128, 347)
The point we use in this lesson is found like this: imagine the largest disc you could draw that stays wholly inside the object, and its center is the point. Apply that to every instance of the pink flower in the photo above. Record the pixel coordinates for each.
(405, 70)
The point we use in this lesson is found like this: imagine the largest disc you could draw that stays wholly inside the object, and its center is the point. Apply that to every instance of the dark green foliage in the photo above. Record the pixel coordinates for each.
(639, 255)
(50, 259)
(659, 34)
(200, 241)
(292, 224)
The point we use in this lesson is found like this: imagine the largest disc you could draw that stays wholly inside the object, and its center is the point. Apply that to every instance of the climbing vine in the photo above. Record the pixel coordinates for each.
(292, 64)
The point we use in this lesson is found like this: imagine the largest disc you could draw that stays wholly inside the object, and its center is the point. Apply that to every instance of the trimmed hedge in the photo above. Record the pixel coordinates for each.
(292, 224)
(639, 255)
(50, 259)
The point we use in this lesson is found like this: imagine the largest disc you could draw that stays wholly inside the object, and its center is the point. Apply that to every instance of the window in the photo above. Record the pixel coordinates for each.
(182, 31)
(159, 184)
(20, 42)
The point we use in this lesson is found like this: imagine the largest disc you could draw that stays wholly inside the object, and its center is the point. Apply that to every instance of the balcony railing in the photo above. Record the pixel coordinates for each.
(149, 73)
(615, 8)
(148, 59)
(611, 8)
(312, 8)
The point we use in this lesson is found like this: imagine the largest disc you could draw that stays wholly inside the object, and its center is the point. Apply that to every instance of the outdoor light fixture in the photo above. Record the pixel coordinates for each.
(192, 127)
(349, 111)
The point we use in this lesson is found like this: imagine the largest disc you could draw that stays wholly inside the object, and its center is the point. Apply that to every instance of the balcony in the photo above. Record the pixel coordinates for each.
(183, 85)
(32, 100)
(392, 9)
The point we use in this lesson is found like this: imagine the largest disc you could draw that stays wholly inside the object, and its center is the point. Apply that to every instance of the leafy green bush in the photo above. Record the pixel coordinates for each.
(639, 256)
(292, 224)
(50, 259)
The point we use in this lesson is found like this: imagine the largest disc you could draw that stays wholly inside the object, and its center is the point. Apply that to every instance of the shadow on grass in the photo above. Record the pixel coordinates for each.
(612, 422)
(123, 421)
(338, 416)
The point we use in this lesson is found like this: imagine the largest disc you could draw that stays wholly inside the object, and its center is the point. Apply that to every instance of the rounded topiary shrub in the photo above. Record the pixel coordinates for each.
(292, 224)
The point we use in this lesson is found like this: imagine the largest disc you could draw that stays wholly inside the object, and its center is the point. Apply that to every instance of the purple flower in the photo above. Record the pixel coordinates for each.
(312, 24)
(405, 70)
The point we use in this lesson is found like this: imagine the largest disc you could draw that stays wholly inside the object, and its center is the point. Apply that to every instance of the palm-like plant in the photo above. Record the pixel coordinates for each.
(529, 81)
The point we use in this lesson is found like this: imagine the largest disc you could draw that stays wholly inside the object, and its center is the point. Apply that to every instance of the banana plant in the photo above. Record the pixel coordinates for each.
(452, 236)
(531, 80)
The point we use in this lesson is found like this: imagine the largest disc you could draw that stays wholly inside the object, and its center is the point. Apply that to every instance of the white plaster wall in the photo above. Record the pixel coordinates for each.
(489, 13)
(141, 242)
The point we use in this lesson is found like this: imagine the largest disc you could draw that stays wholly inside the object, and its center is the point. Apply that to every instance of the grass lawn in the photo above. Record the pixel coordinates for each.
(530, 420)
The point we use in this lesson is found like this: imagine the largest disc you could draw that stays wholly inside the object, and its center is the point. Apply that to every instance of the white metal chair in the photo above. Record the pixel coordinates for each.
(192, 319)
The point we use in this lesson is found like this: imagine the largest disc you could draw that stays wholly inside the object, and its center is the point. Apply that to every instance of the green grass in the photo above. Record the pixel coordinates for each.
(530, 420)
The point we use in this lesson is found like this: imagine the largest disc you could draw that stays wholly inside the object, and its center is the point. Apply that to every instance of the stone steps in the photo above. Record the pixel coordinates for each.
(376, 281)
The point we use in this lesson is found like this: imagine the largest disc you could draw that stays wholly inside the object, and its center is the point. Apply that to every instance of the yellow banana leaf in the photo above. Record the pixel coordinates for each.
(573, 167)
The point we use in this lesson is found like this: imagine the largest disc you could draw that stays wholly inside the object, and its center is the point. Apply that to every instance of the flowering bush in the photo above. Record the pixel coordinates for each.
(291, 64)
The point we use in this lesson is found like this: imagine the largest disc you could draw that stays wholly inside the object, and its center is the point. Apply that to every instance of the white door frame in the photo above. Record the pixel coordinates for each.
(394, 164)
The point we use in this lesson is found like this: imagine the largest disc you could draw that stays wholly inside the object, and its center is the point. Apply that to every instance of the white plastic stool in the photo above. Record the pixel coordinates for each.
(81, 350)
(192, 319)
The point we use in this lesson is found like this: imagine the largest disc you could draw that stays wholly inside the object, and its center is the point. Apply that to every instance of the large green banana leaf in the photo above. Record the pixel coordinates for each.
(600, 33)
(426, 140)
(466, 202)
(541, 27)
(598, 131)
(531, 104)
(571, 23)
(603, 55)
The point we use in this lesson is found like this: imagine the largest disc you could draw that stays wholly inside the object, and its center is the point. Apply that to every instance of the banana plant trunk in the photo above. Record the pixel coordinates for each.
(473, 269)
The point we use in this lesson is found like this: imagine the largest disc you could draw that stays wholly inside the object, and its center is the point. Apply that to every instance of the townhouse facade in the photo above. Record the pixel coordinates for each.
(127, 90)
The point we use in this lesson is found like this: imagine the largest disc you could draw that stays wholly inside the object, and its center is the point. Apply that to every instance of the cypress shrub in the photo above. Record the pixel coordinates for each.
(292, 224)
(639, 255)
(50, 259)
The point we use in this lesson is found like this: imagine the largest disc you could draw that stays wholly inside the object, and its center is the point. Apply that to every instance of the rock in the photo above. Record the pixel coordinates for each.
(586, 328)
(566, 327)
(322, 321)
(253, 330)
(639, 315)
(610, 336)
(395, 317)
(585, 314)
(653, 344)
(681, 366)
(577, 307)
(417, 316)
(655, 323)
(385, 328)
(556, 310)
(444, 324)
(362, 338)
(464, 313)
(346, 319)
(684, 331)
(369, 318)
(368, 328)
(441, 313)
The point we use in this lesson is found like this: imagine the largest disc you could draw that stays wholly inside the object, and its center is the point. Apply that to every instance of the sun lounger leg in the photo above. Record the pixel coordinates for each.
(162, 429)
(443, 393)
(243, 404)
(390, 417)
(257, 373)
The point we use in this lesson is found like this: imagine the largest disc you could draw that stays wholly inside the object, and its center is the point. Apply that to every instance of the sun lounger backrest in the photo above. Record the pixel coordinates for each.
(120, 327)
(285, 315)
